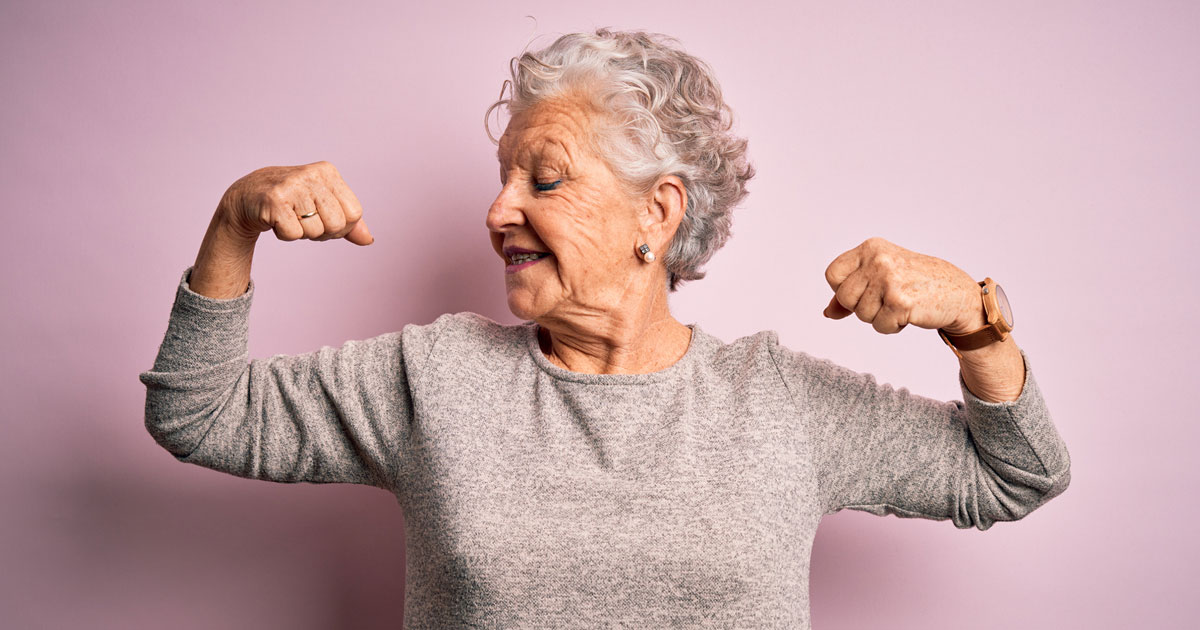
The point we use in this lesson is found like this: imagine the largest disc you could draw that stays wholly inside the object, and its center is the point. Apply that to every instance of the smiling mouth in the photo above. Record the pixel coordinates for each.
(514, 255)
(518, 262)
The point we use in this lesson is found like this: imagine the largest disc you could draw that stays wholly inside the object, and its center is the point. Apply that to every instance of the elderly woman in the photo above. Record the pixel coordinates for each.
(602, 463)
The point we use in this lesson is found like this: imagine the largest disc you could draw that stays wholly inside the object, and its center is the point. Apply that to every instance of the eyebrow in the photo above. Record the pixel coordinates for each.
(499, 153)
(540, 152)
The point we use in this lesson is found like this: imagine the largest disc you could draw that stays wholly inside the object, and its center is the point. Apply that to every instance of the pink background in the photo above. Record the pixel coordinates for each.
(1051, 146)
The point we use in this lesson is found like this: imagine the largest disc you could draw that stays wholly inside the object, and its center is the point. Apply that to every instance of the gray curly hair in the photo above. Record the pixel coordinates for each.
(668, 119)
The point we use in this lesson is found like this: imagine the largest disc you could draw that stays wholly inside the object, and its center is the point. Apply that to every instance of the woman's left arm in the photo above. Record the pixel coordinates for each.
(997, 455)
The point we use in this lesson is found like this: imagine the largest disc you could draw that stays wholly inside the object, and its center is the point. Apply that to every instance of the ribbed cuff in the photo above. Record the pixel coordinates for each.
(204, 331)
(192, 299)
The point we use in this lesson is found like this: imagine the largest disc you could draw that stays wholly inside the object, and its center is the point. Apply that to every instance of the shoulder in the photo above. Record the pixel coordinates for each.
(466, 326)
(764, 352)
(462, 334)
(751, 355)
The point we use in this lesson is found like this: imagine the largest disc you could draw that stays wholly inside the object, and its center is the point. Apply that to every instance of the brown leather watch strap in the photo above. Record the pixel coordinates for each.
(978, 339)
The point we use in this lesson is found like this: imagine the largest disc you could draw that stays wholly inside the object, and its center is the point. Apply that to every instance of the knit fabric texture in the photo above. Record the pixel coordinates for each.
(539, 497)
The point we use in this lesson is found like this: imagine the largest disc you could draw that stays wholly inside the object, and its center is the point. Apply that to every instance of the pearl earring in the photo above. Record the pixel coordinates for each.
(647, 255)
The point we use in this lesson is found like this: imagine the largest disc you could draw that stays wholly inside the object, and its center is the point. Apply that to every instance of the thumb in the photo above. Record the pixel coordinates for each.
(359, 234)
(835, 310)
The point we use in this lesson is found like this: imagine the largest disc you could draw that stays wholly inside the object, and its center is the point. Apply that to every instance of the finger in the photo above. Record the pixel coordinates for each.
(350, 205)
(286, 224)
(352, 209)
(312, 224)
(890, 320)
(360, 235)
(845, 264)
(850, 291)
(835, 310)
(330, 211)
(870, 303)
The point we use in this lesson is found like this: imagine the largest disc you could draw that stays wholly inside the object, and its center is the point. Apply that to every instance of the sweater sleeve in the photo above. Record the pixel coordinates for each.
(887, 451)
(336, 415)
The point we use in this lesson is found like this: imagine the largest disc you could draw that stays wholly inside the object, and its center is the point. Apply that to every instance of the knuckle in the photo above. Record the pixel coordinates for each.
(323, 171)
(304, 176)
(312, 229)
(899, 300)
(286, 233)
(830, 276)
(876, 242)
(265, 217)
(331, 214)
(274, 196)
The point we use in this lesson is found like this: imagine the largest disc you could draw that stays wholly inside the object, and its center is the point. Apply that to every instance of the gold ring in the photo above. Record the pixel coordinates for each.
(305, 216)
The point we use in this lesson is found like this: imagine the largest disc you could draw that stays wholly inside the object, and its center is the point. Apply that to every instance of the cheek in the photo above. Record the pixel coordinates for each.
(591, 225)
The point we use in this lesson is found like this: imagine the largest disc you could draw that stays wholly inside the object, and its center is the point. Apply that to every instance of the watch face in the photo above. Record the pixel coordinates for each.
(1005, 309)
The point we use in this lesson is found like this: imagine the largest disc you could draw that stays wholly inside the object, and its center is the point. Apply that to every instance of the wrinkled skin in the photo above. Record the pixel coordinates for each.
(601, 308)
(891, 287)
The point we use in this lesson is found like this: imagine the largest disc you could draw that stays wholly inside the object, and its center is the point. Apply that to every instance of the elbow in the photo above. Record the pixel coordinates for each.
(1051, 487)
(1055, 481)
(178, 430)
(1013, 496)
(1058, 485)
(183, 408)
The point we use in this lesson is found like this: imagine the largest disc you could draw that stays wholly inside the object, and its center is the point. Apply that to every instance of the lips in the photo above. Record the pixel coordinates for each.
(519, 258)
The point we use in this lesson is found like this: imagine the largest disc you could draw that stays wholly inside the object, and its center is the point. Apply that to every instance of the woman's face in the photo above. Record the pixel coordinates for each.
(559, 197)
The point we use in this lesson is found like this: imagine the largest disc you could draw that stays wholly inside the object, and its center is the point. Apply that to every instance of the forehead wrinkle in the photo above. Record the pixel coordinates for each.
(567, 115)
(549, 149)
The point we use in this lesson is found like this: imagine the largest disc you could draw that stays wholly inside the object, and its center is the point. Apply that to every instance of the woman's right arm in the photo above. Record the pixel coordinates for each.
(334, 415)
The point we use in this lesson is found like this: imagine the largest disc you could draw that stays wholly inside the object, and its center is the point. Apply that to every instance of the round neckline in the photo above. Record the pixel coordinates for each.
(671, 371)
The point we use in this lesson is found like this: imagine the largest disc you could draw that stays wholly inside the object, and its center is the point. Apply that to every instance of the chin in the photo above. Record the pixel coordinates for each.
(520, 303)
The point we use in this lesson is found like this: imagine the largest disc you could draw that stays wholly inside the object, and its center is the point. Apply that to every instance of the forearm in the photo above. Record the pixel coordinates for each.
(995, 372)
(222, 268)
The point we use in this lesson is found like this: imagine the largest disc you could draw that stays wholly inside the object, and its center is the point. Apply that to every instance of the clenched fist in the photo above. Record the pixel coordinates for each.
(309, 201)
(891, 287)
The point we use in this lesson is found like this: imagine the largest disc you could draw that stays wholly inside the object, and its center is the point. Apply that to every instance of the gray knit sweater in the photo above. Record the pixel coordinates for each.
(538, 497)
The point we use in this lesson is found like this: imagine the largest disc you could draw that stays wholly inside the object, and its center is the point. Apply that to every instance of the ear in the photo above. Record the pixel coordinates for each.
(664, 210)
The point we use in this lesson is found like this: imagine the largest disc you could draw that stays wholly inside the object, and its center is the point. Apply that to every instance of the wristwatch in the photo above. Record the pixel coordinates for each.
(999, 321)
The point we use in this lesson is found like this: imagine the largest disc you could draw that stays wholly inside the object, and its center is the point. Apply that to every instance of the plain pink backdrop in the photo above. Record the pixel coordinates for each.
(1051, 146)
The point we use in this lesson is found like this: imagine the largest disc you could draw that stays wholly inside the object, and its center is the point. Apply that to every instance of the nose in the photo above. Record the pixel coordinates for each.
(505, 211)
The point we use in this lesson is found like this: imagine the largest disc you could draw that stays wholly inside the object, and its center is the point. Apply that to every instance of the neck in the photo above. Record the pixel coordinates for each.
(639, 341)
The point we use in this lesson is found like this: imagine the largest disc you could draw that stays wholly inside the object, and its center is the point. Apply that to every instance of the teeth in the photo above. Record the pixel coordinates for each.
(521, 258)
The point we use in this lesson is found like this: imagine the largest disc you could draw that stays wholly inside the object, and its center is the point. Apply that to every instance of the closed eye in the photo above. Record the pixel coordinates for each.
(550, 186)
